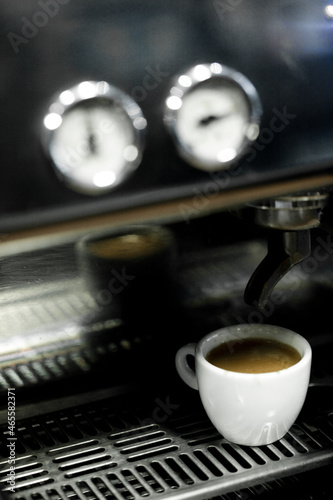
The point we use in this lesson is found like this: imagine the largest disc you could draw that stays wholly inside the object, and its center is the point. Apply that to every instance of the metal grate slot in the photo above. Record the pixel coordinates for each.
(39, 480)
(202, 436)
(42, 436)
(135, 483)
(193, 466)
(81, 458)
(78, 454)
(82, 422)
(271, 454)
(293, 440)
(200, 455)
(237, 455)
(52, 495)
(147, 445)
(98, 421)
(149, 479)
(23, 472)
(86, 491)
(29, 472)
(79, 361)
(284, 448)
(56, 432)
(72, 447)
(102, 488)
(84, 468)
(27, 439)
(120, 487)
(128, 442)
(325, 433)
(56, 371)
(153, 453)
(124, 420)
(166, 475)
(3, 383)
(13, 378)
(133, 432)
(222, 459)
(84, 461)
(104, 450)
(254, 455)
(301, 434)
(190, 424)
(70, 428)
(69, 493)
(41, 372)
(181, 472)
(27, 375)
(197, 432)
(138, 444)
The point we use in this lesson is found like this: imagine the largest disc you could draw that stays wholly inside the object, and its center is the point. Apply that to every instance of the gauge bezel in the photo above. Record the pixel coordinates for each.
(193, 79)
(70, 98)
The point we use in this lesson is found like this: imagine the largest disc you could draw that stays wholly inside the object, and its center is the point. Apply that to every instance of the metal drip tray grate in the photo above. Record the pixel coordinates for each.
(112, 449)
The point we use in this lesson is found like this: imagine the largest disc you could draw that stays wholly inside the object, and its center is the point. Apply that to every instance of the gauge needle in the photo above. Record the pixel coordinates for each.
(91, 139)
(92, 143)
(211, 118)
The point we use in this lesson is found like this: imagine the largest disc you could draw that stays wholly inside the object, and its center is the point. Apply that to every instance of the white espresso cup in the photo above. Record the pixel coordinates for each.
(251, 409)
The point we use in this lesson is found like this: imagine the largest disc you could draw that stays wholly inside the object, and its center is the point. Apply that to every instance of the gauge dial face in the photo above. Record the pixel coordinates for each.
(96, 142)
(212, 117)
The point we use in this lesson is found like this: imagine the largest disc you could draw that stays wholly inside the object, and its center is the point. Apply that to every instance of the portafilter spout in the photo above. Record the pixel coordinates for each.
(290, 219)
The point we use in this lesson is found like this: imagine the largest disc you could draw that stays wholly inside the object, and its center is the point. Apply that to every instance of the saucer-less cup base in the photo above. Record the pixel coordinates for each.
(248, 409)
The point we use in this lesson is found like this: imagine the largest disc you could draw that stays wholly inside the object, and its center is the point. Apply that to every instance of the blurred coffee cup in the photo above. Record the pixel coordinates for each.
(129, 271)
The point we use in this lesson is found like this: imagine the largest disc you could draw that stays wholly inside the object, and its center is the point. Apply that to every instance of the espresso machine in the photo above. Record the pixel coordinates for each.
(167, 170)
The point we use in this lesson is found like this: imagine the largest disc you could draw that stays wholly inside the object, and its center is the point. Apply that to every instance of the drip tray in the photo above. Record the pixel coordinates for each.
(158, 446)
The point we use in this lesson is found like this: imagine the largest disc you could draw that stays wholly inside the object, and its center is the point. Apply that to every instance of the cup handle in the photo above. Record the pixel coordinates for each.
(184, 370)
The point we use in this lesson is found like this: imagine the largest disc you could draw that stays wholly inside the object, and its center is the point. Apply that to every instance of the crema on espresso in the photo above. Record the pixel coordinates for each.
(253, 355)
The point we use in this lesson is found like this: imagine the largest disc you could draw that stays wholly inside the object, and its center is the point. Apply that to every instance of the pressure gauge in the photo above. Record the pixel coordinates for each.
(212, 113)
(94, 135)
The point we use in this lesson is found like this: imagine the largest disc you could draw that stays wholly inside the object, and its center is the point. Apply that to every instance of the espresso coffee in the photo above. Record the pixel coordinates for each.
(253, 355)
(128, 246)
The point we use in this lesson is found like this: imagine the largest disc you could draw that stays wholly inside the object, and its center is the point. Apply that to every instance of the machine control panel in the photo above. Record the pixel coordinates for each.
(238, 94)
